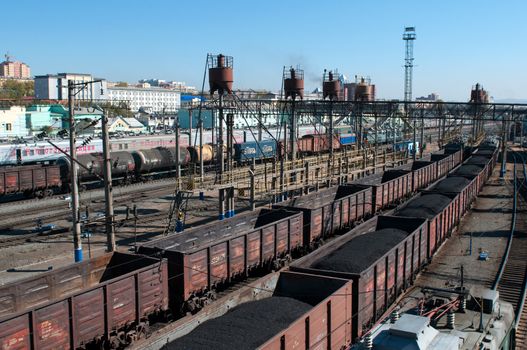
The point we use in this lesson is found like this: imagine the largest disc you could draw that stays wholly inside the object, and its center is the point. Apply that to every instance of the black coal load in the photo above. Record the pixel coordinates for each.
(485, 153)
(392, 174)
(426, 206)
(477, 160)
(361, 252)
(453, 184)
(469, 169)
(247, 326)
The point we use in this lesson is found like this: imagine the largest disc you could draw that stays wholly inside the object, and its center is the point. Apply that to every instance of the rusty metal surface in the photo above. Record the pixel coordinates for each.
(370, 285)
(199, 261)
(82, 299)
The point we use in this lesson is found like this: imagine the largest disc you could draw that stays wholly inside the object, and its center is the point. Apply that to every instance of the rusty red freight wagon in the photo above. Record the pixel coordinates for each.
(332, 210)
(381, 257)
(38, 180)
(206, 258)
(424, 172)
(440, 212)
(303, 311)
(388, 188)
(466, 187)
(104, 300)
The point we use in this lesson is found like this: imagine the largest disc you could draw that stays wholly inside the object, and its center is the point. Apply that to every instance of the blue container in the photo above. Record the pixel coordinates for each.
(247, 151)
(347, 139)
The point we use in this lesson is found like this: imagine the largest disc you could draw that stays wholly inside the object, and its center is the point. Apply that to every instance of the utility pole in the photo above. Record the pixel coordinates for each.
(74, 170)
(108, 195)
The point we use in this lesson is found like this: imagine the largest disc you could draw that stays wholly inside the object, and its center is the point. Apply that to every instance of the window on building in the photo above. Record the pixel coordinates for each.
(8, 127)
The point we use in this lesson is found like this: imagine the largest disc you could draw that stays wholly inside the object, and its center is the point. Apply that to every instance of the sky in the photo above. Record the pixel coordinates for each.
(459, 43)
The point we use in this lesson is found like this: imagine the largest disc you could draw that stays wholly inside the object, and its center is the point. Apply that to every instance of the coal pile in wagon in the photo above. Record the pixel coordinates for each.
(468, 170)
(392, 174)
(247, 326)
(426, 206)
(358, 254)
(452, 184)
(478, 160)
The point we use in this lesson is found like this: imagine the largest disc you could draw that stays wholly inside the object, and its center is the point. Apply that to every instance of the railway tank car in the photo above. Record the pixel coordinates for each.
(122, 164)
(158, 159)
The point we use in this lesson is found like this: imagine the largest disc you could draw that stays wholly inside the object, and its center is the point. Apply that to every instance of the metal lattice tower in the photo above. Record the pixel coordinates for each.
(408, 37)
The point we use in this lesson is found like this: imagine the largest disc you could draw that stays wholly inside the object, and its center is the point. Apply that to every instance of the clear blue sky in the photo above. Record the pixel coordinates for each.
(458, 42)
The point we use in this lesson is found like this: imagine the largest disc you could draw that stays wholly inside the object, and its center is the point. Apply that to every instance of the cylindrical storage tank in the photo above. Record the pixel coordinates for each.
(221, 74)
(294, 83)
(330, 86)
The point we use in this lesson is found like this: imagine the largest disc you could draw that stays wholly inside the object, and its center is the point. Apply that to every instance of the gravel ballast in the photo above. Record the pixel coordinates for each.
(361, 252)
(247, 326)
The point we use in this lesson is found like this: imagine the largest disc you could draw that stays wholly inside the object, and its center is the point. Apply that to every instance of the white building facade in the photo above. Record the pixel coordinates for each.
(55, 87)
(152, 99)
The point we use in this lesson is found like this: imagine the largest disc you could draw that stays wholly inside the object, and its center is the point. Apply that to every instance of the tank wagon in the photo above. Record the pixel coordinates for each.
(106, 302)
(303, 311)
(30, 180)
(331, 211)
(381, 257)
(204, 259)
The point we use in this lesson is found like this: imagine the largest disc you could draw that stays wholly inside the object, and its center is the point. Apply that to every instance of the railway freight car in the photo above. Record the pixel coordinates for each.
(423, 173)
(158, 159)
(204, 259)
(439, 211)
(381, 257)
(105, 301)
(257, 150)
(122, 163)
(331, 211)
(312, 144)
(31, 180)
(303, 312)
(464, 186)
(388, 188)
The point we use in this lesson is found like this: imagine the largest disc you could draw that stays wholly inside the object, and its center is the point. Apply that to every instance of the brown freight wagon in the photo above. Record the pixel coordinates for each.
(473, 171)
(456, 151)
(424, 172)
(482, 161)
(330, 211)
(444, 163)
(303, 312)
(316, 143)
(388, 188)
(465, 186)
(440, 212)
(208, 257)
(381, 257)
(489, 152)
(105, 299)
(30, 179)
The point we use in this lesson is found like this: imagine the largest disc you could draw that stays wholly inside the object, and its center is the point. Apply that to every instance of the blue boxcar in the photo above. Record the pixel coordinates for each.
(347, 139)
(247, 151)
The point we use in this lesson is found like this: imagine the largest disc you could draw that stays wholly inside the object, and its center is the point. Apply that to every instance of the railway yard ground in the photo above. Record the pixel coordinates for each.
(37, 253)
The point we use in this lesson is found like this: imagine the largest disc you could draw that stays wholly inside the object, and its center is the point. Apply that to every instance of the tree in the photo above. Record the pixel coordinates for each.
(14, 89)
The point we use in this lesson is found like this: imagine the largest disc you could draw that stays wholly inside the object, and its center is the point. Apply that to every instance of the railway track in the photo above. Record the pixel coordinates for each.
(512, 278)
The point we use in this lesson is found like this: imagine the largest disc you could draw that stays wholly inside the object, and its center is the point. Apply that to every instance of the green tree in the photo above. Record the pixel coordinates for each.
(16, 90)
